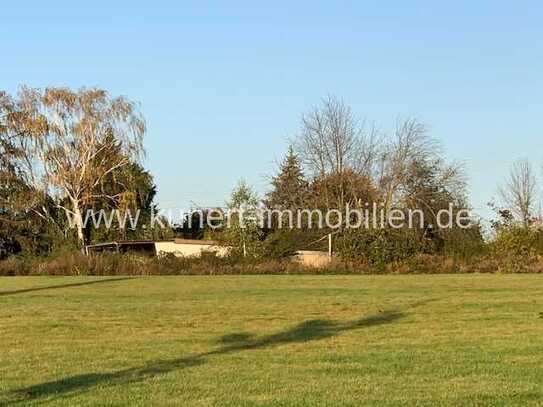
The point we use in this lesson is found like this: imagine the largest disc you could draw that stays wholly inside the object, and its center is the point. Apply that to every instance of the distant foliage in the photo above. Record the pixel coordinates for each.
(243, 233)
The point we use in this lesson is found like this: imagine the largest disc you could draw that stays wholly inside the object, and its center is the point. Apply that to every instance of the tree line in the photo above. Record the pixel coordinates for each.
(337, 161)
(64, 151)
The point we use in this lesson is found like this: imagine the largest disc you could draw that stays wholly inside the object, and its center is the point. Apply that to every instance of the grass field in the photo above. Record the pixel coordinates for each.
(272, 340)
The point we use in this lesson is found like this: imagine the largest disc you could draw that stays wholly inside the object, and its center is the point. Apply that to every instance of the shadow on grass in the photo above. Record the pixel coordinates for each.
(305, 332)
(53, 287)
(311, 330)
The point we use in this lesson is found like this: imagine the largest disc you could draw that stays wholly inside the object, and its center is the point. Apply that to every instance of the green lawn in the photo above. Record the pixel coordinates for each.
(272, 340)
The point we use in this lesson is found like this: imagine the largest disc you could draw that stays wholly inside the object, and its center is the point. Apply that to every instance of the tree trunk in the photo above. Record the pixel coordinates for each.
(78, 222)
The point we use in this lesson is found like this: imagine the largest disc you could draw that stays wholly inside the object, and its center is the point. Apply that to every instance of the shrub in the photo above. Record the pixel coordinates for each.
(464, 244)
(379, 247)
(518, 241)
(517, 248)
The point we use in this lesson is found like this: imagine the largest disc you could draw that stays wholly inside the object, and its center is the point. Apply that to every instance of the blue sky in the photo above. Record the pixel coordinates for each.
(222, 85)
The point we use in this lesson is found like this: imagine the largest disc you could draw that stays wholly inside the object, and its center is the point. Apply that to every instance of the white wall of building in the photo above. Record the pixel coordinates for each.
(183, 249)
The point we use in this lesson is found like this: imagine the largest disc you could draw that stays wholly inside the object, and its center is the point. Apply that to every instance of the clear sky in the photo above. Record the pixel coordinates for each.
(222, 84)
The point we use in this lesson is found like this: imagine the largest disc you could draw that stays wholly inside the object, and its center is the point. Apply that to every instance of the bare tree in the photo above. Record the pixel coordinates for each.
(329, 138)
(368, 151)
(350, 164)
(333, 144)
(410, 143)
(68, 142)
(519, 192)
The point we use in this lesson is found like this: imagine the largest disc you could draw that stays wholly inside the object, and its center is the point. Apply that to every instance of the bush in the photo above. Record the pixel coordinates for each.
(518, 241)
(464, 244)
(517, 248)
(379, 247)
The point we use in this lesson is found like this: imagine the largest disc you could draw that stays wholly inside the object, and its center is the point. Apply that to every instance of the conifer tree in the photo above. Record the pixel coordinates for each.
(290, 188)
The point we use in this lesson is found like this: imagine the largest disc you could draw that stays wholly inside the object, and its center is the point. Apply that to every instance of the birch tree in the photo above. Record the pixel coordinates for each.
(63, 138)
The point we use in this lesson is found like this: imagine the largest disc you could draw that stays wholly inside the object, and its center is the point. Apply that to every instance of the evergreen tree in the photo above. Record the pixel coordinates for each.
(290, 188)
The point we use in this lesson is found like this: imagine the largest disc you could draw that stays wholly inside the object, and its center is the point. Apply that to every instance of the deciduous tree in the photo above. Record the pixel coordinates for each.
(519, 191)
(67, 141)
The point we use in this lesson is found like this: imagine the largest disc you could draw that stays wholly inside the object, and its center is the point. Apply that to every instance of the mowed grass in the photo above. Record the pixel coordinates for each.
(272, 340)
